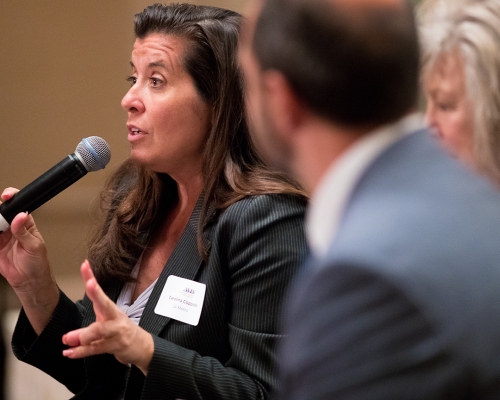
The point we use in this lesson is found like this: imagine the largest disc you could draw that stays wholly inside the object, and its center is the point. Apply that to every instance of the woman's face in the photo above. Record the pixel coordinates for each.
(168, 120)
(449, 111)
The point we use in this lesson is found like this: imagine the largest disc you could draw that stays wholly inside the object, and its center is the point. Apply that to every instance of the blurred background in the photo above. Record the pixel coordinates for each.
(63, 66)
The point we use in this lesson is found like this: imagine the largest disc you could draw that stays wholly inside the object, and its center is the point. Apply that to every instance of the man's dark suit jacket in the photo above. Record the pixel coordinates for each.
(255, 249)
(406, 305)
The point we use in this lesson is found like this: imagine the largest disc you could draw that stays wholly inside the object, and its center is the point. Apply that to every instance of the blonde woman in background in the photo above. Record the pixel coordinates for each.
(461, 79)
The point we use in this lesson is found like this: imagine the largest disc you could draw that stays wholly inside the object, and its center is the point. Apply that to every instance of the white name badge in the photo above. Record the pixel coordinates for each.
(182, 300)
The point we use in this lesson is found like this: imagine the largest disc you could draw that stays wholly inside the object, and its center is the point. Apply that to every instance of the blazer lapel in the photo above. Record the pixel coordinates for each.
(184, 262)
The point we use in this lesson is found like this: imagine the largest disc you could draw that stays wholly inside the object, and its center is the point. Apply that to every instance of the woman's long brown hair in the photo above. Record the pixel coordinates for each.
(136, 199)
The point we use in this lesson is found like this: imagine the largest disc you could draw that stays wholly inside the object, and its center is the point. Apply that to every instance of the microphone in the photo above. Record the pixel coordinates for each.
(91, 154)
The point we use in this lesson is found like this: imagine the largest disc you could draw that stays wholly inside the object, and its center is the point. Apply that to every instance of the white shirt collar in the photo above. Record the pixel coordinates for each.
(333, 192)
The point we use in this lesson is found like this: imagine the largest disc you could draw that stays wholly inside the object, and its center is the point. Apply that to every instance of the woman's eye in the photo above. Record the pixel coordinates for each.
(444, 106)
(155, 82)
(132, 80)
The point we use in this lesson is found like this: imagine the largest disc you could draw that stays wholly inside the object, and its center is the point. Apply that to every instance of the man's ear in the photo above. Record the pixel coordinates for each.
(286, 110)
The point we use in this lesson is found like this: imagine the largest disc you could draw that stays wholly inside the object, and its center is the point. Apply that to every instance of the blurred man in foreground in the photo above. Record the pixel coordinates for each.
(400, 298)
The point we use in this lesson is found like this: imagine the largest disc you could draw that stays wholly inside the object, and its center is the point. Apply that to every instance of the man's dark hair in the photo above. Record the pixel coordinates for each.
(353, 67)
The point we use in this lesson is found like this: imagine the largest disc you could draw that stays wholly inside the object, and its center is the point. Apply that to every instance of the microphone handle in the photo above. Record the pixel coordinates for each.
(42, 189)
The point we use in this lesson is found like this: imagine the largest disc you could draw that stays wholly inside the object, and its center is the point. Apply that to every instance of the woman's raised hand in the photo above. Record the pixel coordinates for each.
(113, 332)
(25, 266)
(23, 256)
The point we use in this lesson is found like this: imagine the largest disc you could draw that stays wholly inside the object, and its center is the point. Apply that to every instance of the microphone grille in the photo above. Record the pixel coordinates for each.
(94, 153)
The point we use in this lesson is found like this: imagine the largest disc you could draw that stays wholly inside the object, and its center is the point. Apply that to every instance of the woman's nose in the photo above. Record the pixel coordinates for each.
(132, 100)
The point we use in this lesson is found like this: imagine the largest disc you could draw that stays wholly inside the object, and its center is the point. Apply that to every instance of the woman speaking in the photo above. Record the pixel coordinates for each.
(199, 239)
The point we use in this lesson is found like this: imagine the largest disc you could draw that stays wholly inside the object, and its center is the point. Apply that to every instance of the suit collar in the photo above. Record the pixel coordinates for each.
(333, 193)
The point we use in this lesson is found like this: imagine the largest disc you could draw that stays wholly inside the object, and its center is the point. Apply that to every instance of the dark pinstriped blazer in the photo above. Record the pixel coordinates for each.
(256, 247)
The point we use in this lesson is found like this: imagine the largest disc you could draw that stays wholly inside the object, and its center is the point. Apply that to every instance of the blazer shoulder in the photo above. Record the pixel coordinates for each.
(264, 205)
(261, 217)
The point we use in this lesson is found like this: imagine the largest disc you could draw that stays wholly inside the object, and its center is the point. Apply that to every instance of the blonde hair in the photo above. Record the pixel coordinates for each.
(472, 28)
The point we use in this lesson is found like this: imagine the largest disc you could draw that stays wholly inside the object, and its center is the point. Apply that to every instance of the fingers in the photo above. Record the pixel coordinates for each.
(98, 338)
(23, 223)
(86, 342)
(113, 332)
(97, 347)
(18, 224)
(129, 343)
(24, 229)
(8, 193)
(86, 271)
(98, 331)
(104, 308)
(72, 338)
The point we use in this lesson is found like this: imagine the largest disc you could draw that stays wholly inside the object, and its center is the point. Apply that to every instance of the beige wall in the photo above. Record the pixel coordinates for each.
(63, 65)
